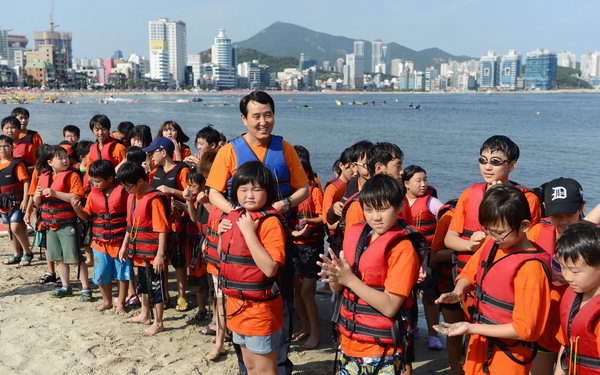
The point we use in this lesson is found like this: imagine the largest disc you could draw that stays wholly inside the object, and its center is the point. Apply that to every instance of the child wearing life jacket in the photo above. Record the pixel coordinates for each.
(509, 278)
(173, 131)
(145, 243)
(169, 178)
(14, 182)
(306, 225)
(424, 207)
(252, 249)
(21, 148)
(334, 192)
(207, 139)
(107, 206)
(29, 140)
(55, 189)
(563, 205)
(105, 147)
(578, 250)
(375, 272)
(122, 132)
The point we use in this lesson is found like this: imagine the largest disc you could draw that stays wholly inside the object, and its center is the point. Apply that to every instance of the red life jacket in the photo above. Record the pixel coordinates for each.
(20, 149)
(335, 182)
(54, 210)
(211, 254)
(10, 184)
(547, 237)
(423, 220)
(472, 225)
(581, 352)
(494, 292)
(239, 276)
(306, 210)
(96, 154)
(109, 214)
(142, 239)
(357, 319)
(446, 277)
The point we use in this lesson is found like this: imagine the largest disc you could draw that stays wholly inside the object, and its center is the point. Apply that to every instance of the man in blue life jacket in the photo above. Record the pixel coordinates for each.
(258, 115)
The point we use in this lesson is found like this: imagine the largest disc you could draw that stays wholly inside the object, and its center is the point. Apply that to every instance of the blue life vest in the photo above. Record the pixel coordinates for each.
(274, 160)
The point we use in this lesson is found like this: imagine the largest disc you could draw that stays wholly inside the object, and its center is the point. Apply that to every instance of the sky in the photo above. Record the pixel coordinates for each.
(460, 27)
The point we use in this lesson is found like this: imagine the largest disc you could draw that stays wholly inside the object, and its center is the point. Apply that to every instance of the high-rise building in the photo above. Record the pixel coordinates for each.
(224, 61)
(168, 50)
(359, 48)
(3, 44)
(397, 67)
(510, 70)
(567, 59)
(60, 40)
(196, 63)
(590, 65)
(118, 54)
(540, 70)
(376, 55)
(488, 70)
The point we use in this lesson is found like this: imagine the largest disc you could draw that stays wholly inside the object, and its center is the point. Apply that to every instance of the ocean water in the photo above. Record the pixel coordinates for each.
(558, 134)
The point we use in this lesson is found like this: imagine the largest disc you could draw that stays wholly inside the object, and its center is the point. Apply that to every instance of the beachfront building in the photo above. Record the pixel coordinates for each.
(62, 44)
(223, 61)
(540, 70)
(567, 59)
(590, 65)
(379, 57)
(40, 73)
(252, 75)
(510, 70)
(195, 62)
(47, 53)
(168, 51)
(488, 71)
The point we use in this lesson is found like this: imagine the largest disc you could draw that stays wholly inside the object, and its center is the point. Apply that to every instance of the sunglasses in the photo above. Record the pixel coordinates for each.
(493, 161)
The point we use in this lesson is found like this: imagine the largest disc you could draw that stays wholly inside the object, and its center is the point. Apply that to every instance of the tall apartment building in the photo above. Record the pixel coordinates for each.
(168, 50)
(590, 65)
(567, 59)
(224, 61)
(378, 57)
(356, 65)
(488, 70)
(3, 44)
(510, 70)
(540, 70)
(60, 40)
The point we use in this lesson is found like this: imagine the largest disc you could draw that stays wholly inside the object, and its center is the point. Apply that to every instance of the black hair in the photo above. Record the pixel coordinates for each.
(209, 134)
(13, 120)
(222, 138)
(382, 152)
(125, 127)
(20, 111)
(336, 169)
(358, 150)
(304, 157)
(504, 204)
(142, 132)
(56, 151)
(181, 136)
(42, 155)
(503, 144)
(7, 139)
(580, 240)
(256, 96)
(382, 191)
(72, 129)
(135, 154)
(83, 148)
(410, 171)
(130, 173)
(253, 172)
(194, 175)
(101, 120)
(102, 168)
(345, 156)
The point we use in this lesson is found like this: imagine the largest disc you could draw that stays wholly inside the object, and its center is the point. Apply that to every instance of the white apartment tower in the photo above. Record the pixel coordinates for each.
(168, 50)
(566, 59)
(224, 61)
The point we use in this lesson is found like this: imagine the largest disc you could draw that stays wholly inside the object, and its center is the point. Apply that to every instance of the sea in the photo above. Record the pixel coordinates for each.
(558, 133)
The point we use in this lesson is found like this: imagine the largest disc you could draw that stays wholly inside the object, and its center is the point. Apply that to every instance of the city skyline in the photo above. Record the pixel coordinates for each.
(433, 25)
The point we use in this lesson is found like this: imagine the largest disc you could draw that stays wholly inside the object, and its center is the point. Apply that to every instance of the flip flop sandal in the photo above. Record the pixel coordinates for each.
(62, 292)
(13, 259)
(182, 304)
(27, 258)
(48, 277)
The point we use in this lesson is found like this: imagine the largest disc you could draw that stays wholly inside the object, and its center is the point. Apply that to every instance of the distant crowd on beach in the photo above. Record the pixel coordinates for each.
(249, 227)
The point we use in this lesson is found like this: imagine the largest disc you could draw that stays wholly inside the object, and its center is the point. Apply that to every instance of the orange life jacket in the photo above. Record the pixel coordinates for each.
(54, 210)
(211, 254)
(109, 214)
(578, 323)
(20, 149)
(142, 239)
(10, 184)
(423, 220)
(239, 276)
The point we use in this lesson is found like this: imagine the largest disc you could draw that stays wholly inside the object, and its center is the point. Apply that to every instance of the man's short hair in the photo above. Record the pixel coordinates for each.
(382, 152)
(209, 134)
(359, 150)
(73, 129)
(125, 127)
(256, 96)
(501, 143)
(101, 120)
(102, 168)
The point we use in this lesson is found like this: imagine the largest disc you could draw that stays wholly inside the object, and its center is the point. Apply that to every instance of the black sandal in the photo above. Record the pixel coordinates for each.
(48, 277)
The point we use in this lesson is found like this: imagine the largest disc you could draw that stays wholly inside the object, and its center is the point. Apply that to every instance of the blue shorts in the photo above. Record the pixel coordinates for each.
(107, 268)
(16, 216)
(259, 344)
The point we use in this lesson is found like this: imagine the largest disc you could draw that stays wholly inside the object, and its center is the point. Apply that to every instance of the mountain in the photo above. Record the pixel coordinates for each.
(286, 39)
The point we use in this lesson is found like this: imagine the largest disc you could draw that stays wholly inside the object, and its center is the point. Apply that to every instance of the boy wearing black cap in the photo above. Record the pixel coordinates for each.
(563, 204)
(170, 178)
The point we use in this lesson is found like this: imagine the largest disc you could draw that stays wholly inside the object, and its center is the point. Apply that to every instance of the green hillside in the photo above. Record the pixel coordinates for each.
(275, 63)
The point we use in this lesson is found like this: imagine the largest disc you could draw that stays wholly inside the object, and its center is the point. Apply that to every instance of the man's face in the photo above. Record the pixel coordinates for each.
(259, 121)
(101, 133)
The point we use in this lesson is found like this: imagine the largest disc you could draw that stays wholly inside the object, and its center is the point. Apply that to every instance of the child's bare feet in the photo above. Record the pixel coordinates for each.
(140, 319)
(120, 309)
(311, 343)
(104, 306)
(153, 329)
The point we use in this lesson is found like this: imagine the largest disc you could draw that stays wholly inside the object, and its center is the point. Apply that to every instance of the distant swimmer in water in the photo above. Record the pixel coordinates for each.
(411, 106)
(418, 106)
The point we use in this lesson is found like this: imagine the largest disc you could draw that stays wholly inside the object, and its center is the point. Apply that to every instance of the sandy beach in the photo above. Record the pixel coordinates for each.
(42, 335)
